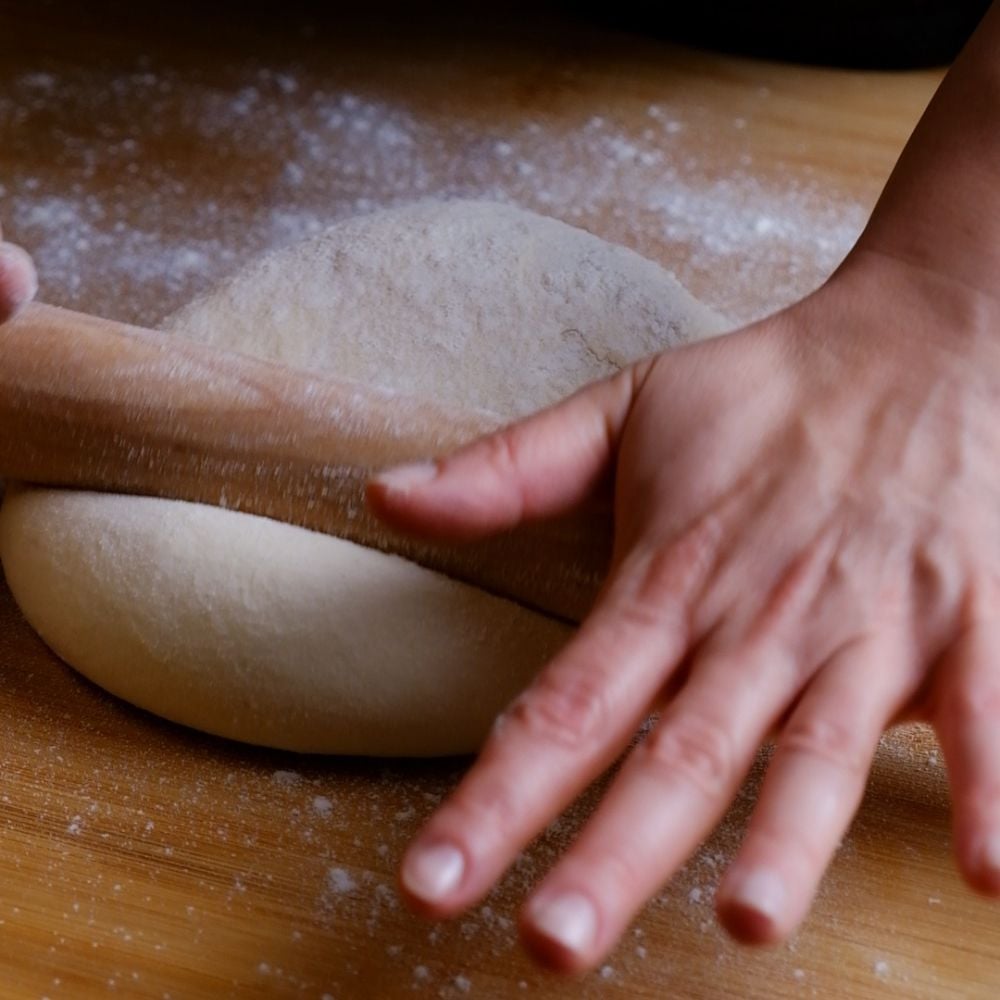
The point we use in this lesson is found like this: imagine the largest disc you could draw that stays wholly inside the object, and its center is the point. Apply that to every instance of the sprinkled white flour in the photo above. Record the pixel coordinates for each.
(340, 881)
(166, 228)
(322, 806)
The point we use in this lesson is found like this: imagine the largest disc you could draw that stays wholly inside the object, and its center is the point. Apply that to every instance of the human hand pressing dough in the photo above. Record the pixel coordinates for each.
(807, 542)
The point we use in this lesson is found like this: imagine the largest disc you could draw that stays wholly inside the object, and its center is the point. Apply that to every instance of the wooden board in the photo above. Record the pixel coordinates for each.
(144, 153)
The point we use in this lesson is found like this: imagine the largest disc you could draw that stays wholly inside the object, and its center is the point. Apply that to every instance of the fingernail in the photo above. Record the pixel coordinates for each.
(406, 477)
(431, 874)
(569, 920)
(762, 891)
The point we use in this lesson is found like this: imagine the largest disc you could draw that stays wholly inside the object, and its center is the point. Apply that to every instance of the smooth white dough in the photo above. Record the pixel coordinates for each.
(271, 634)
(254, 629)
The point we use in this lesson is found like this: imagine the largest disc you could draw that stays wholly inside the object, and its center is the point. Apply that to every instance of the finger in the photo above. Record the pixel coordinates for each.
(536, 468)
(562, 732)
(813, 787)
(967, 718)
(673, 790)
(18, 281)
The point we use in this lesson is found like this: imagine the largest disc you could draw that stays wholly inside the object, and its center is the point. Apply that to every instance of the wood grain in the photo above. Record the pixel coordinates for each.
(141, 858)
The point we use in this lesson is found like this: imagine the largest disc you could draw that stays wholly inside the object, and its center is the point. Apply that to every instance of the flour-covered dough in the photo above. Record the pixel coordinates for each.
(272, 634)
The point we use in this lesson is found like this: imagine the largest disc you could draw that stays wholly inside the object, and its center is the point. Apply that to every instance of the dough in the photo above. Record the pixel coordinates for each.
(268, 633)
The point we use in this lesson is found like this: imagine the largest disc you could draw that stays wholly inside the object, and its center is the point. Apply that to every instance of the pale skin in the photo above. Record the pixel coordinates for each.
(807, 548)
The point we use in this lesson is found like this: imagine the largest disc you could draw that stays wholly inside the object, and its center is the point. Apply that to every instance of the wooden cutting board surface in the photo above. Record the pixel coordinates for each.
(145, 153)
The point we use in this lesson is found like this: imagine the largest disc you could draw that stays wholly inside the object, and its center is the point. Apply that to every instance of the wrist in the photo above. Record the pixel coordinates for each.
(896, 316)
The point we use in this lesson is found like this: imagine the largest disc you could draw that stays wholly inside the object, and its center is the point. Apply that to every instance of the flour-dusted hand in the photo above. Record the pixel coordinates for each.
(18, 281)
(807, 545)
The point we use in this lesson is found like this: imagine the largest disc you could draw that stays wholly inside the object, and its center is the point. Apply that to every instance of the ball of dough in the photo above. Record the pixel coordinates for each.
(268, 633)
(473, 304)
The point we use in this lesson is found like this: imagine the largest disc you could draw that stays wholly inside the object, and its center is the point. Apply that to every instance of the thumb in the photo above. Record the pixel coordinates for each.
(536, 468)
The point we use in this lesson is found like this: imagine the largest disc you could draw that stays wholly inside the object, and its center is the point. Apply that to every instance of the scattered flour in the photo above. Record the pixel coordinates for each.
(346, 152)
(340, 881)
(322, 806)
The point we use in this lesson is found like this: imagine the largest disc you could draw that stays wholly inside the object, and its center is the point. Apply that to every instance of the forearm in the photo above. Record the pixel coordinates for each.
(941, 207)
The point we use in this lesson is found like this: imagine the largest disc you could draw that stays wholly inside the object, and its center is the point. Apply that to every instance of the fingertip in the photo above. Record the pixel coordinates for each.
(18, 280)
(405, 479)
(428, 515)
(400, 498)
(551, 955)
(752, 907)
(749, 925)
(449, 500)
(391, 492)
(431, 875)
(561, 932)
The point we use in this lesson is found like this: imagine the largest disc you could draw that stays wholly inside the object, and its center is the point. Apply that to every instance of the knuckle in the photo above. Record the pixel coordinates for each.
(830, 740)
(674, 571)
(565, 710)
(656, 588)
(504, 451)
(696, 749)
(505, 456)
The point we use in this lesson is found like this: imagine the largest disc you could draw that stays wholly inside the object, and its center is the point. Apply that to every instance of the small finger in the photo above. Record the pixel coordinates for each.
(536, 468)
(813, 787)
(672, 791)
(18, 280)
(967, 719)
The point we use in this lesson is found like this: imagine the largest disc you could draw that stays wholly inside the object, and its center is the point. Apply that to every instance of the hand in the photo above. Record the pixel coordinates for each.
(807, 544)
(18, 281)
